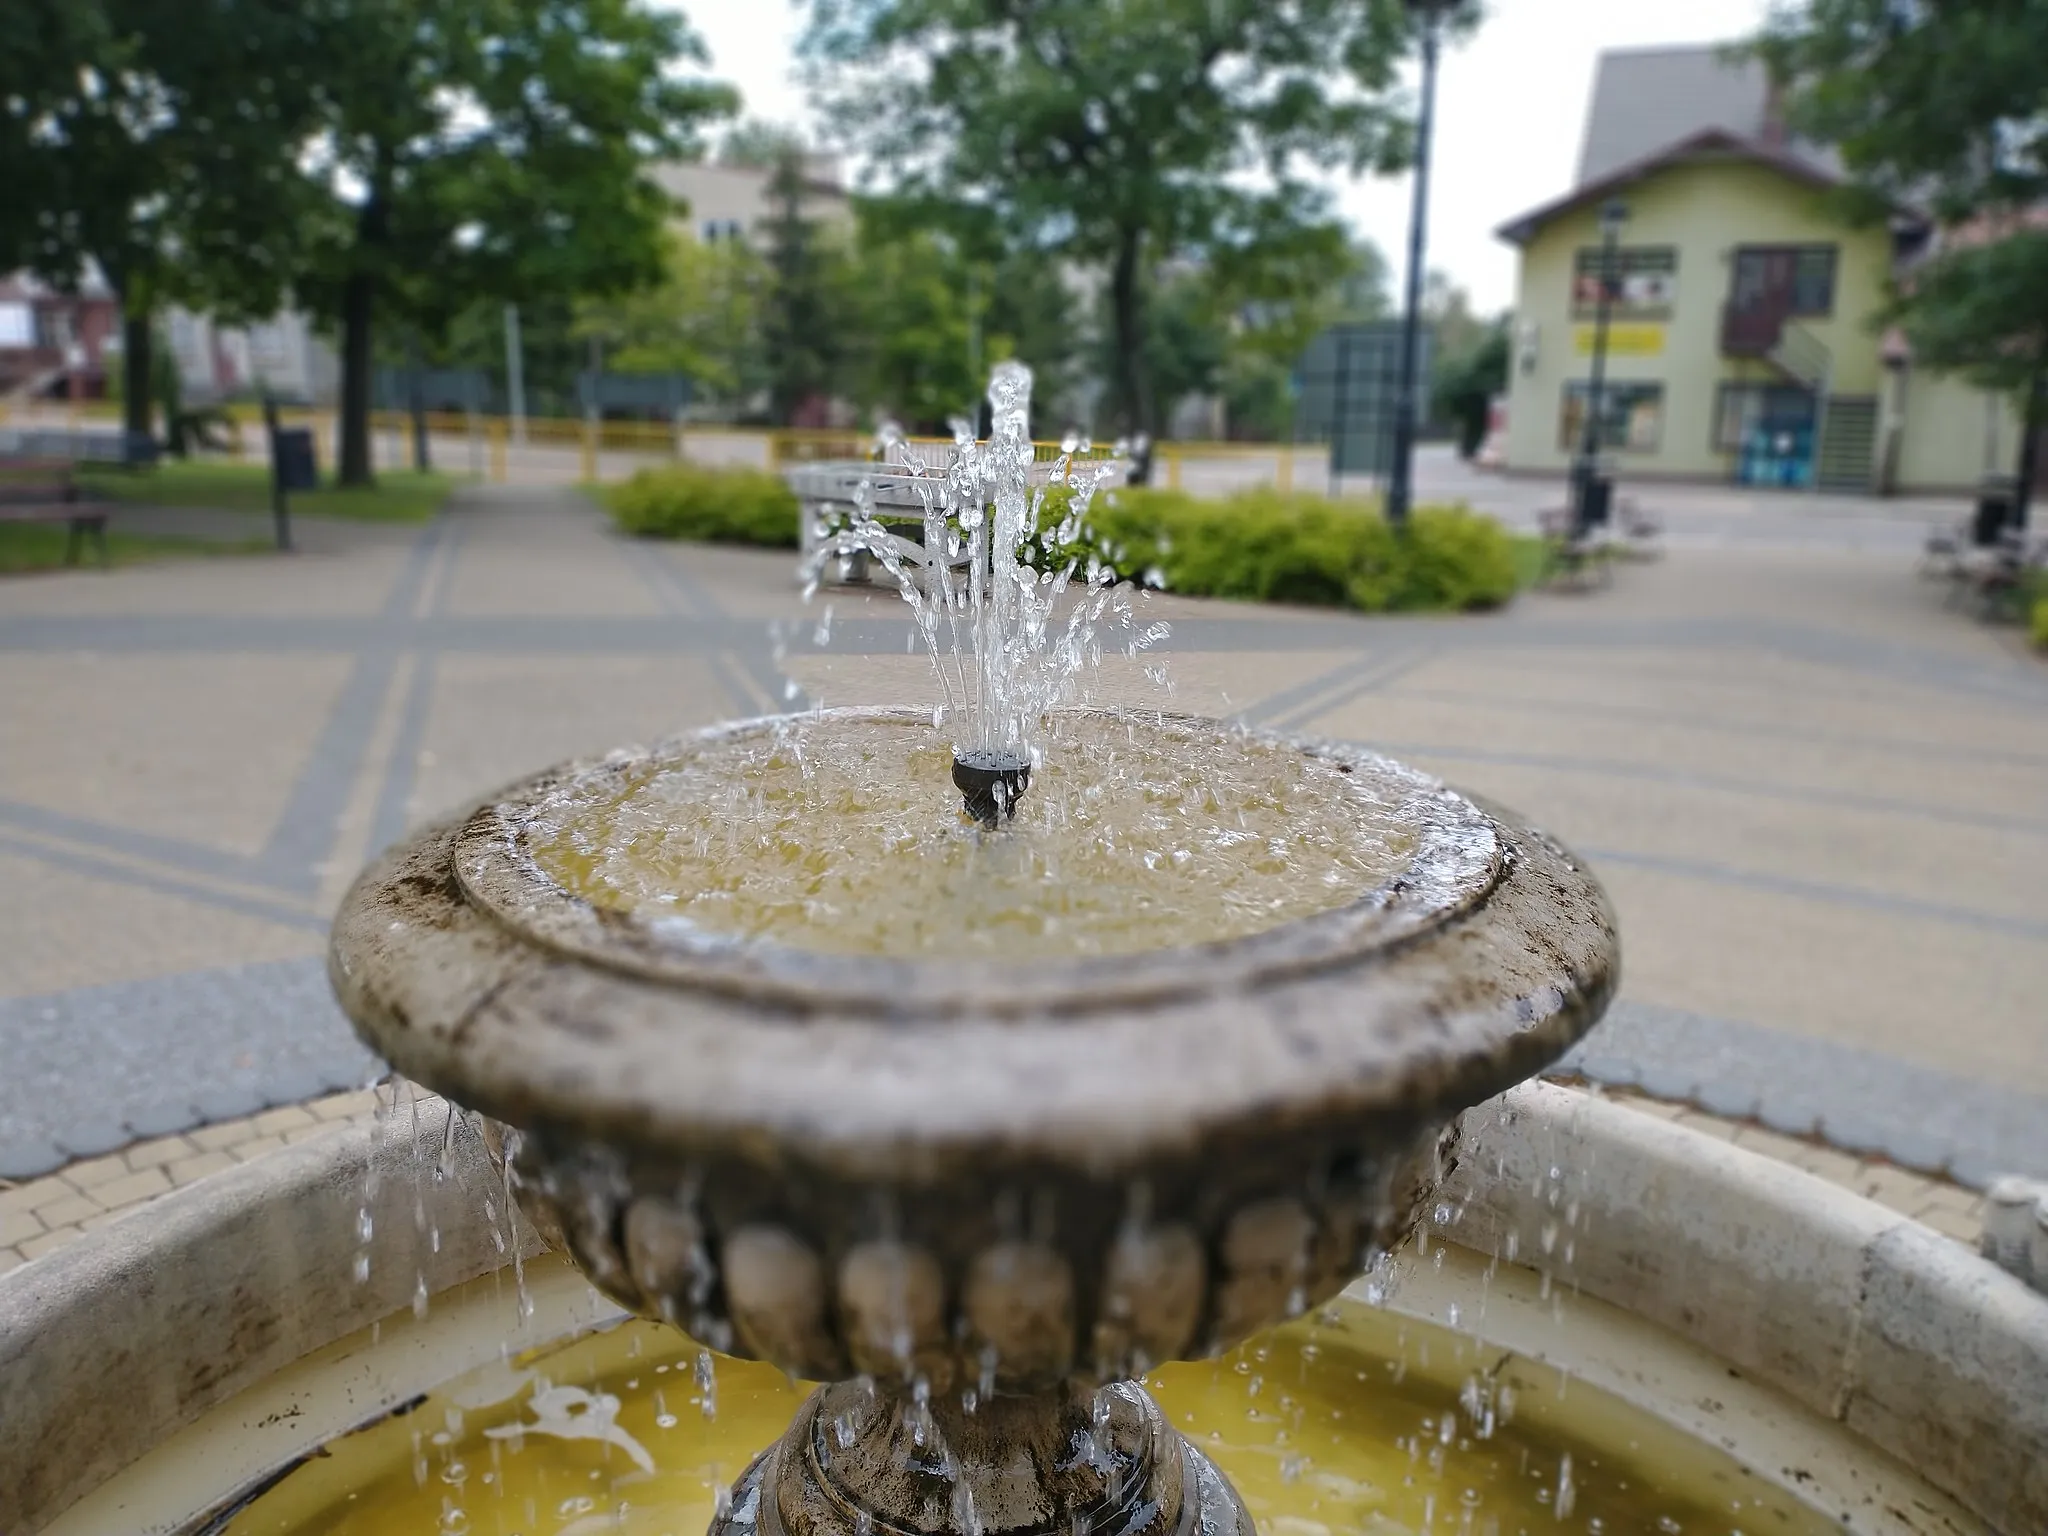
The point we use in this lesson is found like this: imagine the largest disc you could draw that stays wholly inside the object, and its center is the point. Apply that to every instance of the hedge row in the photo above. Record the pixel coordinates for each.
(1289, 547)
(711, 505)
(1262, 544)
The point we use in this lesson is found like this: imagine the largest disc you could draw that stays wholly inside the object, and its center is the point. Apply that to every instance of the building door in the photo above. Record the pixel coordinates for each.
(1774, 436)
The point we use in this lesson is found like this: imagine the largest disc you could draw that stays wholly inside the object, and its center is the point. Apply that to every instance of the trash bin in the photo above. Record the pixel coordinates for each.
(297, 466)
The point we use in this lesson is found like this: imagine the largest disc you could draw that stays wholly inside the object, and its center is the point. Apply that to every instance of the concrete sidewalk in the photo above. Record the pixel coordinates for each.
(1819, 800)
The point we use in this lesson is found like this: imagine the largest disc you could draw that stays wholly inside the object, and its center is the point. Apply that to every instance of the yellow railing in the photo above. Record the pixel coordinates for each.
(494, 440)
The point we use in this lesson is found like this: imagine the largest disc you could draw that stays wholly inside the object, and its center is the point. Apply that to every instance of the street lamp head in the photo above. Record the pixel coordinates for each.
(1613, 214)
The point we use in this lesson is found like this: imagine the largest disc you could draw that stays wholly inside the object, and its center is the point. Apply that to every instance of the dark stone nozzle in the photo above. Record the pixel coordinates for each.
(991, 783)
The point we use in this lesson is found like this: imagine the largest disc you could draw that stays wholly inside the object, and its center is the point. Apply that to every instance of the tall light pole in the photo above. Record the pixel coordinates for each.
(1429, 15)
(1591, 491)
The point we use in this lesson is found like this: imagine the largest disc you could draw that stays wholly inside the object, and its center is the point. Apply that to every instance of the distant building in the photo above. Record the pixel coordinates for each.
(282, 355)
(1741, 343)
(733, 202)
(57, 345)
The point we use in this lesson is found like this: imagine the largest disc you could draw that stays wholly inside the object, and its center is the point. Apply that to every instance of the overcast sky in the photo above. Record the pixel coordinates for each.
(1511, 108)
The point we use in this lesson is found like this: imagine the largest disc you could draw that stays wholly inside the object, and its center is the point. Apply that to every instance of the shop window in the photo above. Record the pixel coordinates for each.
(1632, 416)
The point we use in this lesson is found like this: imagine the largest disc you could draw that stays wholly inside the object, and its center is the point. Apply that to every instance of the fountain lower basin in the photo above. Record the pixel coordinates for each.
(1864, 1368)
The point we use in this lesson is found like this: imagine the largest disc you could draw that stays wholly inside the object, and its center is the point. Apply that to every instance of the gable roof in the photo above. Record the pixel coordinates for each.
(1706, 144)
(1646, 97)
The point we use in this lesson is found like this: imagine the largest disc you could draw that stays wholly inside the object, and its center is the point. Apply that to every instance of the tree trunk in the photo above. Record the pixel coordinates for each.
(137, 359)
(358, 357)
(1133, 378)
(2036, 421)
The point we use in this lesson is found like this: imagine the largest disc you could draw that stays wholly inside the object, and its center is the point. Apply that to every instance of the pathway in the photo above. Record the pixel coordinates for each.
(1817, 798)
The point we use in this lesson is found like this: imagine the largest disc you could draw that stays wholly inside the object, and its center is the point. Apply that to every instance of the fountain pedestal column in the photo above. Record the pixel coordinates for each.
(859, 1460)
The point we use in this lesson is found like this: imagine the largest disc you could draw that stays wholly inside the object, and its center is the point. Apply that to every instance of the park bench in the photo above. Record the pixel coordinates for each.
(47, 491)
(2001, 576)
(1571, 554)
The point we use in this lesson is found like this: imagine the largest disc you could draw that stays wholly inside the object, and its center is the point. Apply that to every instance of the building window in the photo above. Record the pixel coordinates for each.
(1632, 417)
(1797, 281)
(1746, 413)
(1645, 282)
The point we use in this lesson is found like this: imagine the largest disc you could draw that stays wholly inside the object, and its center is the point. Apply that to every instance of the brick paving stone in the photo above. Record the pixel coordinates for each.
(156, 1153)
(275, 1122)
(255, 1147)
(67, 1213)
(119, 1193)
(9, 1259)
(219, 1137)
(19, 1226)
(36, 1247)
(198, 1167)
(88, 1172)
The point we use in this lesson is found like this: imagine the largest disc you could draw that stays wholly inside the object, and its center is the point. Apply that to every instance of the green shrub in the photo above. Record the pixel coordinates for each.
(1267, 545)
(2038, 627)
(713, 505)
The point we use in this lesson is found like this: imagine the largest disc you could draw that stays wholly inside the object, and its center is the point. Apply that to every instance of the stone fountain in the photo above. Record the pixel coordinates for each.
(977, 1196)
(978, 1175)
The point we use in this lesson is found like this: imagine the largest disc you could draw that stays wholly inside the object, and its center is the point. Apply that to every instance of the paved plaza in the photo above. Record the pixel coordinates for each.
(1818, 797)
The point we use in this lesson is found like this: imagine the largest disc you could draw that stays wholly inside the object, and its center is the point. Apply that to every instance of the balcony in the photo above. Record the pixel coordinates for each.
(1753, 330)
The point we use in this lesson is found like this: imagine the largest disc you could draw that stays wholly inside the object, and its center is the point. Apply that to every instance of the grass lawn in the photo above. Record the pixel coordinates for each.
(400, 496)
(27, 547)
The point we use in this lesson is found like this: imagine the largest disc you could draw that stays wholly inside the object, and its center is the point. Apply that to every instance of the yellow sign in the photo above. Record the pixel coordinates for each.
(1622, 340)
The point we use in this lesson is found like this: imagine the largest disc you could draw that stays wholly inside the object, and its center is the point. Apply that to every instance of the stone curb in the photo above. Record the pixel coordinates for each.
(111, 1343)
(1865, 1317)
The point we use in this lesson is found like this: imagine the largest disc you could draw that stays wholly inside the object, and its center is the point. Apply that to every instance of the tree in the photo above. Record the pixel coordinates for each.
(1943, 108)
(487, 149)
(810, 301)
(1117, 136)
(1468, 379)
(703, 319)
(756, 145)
(157, 144)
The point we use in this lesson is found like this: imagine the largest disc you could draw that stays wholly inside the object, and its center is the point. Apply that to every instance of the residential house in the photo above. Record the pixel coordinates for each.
(56, 345)
(733, 202)
(1742, 342)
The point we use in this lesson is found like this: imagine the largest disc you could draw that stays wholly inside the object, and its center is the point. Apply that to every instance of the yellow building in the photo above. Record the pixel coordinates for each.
(1742, 342)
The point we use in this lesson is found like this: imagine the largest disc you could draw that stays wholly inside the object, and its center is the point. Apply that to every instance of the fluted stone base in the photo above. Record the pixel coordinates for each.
(860, 1461)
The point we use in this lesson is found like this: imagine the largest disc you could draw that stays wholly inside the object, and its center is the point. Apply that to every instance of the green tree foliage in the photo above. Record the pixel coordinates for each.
(1942, 107)
(487, 149)
(1118, 136)
(157, 143)
(1467, 381)
(703, 319)
(811, 297)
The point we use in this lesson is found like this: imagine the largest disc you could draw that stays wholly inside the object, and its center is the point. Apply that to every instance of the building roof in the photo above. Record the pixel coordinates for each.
(1706, 144)
(1646, 98)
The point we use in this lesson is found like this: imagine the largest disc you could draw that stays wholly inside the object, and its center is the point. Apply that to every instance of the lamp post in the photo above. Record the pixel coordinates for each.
(1428, 15)
(1591, 491)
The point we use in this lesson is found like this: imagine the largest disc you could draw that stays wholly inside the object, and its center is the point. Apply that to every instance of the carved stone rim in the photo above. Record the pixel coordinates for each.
(1456, 863)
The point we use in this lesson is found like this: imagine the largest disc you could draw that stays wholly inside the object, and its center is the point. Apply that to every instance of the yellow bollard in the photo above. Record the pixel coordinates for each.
(323, 445)
(498, 452)
(1285, 480)
(1172, 470)
(589, 451)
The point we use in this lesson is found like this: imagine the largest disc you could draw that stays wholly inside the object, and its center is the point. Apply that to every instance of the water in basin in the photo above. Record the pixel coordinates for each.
(1137, 834)
(1354, 1421)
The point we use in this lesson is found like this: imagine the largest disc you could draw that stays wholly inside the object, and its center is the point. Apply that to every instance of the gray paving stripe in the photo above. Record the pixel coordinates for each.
(676, 592)
(1274, 705)
(394, 794)
(305, 832)
(173, 852)
(1396, 667)
(82, 863)
(1826, 893)
(404, 595)
(1611, 768)
(1858, 1100)
(166, 1056)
